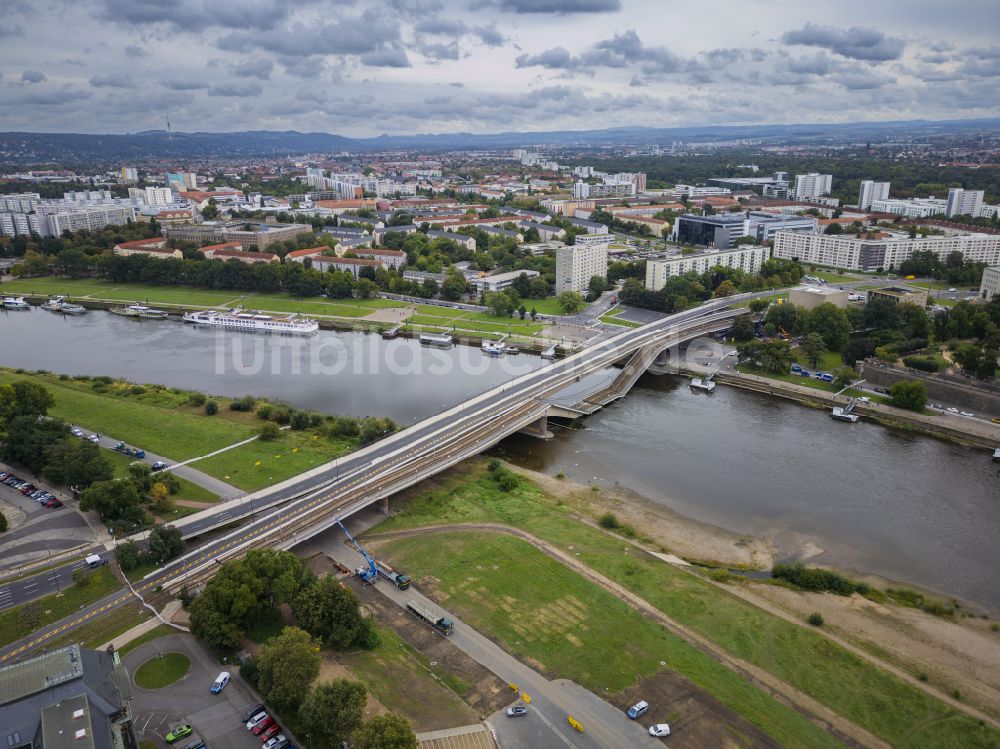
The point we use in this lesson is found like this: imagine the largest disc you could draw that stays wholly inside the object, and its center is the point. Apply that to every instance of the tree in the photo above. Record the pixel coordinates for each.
(453, 286)
(743, 328)
(116, 501)
(128, 554)
(366, 288)
(288, 664)
(814, 348)
(330, 612)
(571, 302)
(165, 543)
(857, 349)
(843, 376)
(500, 304)
(24, 398)
(534, 314)
(3, 523)
(32, 264)
(72, 263)
(76, 463)
(27, 439)
(332, 712)
(834, 229)
(386, 732)
(724, 289)
(759, 305)
(908, 394)
(832, 324)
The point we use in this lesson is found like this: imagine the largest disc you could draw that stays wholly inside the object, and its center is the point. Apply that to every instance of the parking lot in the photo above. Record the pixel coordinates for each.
(215, 718)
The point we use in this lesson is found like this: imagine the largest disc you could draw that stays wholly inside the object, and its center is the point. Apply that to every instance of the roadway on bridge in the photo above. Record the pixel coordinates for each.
(314, 501)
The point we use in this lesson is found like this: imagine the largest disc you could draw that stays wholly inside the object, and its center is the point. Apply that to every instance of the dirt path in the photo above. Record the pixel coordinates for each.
(820, 714)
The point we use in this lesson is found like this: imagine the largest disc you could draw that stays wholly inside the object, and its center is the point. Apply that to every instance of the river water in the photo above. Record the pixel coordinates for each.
(858, 496)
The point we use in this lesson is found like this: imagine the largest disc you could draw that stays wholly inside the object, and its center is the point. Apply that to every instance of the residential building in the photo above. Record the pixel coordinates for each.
(166, 216)
(158, 196)
(748, 258)
(66, 698)
(500, 281)
(910, 208)
(577, 264)
(386, 258)
(963, 202)
(812, 185)
(153, 247)
(15, 224)
(466, 241)
(91, 218)
(811, 297)
(379, 234)
(128, 174)
(990, 285)
(24, 202)
(872, 190)
(352, 265)
(352, 243)
(227, 251)
(538, 249)
(496, 231)
(248, 235)
(591, 227)
(299, 256)
(546, 232)
(882, 249)
(181, 181)
(583, 190)
(900, 295)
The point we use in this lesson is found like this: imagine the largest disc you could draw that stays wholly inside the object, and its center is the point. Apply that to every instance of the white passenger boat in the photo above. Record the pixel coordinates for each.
(140, 311)
(72, 309)
(494, 348)
(842, 414)
(252, 321)
(707, 386)
(436, 339)
(15, 302)
(54, 304)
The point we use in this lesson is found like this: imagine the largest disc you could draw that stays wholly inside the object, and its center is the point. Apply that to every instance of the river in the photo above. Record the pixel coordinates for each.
(858, 496)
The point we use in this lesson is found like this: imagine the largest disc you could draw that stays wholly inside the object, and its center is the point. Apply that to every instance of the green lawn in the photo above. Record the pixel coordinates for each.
(834, 277)
(872, 698)
(22, 620)
(96, 632)
(614, 319)
(161, 630)
(548, 306)
(827, 363)
(162, 670)
(188, 490)
(159, 420)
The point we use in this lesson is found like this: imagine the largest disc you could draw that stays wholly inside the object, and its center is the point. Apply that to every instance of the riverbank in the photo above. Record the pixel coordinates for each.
(856, 667)
(966, 431)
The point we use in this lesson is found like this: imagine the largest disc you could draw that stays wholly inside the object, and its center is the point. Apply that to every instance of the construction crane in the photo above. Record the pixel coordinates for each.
(368, 574)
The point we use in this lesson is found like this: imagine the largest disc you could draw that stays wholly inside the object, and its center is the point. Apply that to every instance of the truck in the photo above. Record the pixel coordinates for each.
(398, 579)
(442, 624)
(133, 452)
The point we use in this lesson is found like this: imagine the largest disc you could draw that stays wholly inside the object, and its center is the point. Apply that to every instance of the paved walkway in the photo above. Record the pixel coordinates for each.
(140, 629)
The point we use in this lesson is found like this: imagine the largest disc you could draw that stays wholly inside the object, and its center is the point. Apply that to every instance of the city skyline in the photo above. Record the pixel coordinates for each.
(401, 67)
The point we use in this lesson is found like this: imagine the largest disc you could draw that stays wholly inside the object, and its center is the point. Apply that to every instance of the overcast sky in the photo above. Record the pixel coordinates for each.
(405, 66)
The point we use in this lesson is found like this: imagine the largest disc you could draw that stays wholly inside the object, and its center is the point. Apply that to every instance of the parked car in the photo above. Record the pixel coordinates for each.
(53, 503)
(269, 732)
(94, 438)
(516, 711)
(660, 729)
(255, 710)
(179, 732)
(638, 710)
(76, 432)
(258, 729)
(255, 719)
(159, 465)
(273, 742)
(220, 682)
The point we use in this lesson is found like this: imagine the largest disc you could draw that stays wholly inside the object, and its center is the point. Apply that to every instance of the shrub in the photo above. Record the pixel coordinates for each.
(137, 390)
(211, 408)
(81, 577)
(610, 521)
(720, 575)
(246, 403)
(493, 465)
(316, 420)
(505, 478)
(281, 415)
(197, 399)
(814, 578)
(269, 432)
(926, 363)
(3, 523)
(922, 676)
(250, 671)
(816, 619)
(264, 411)
(560, 475)
(300, 420)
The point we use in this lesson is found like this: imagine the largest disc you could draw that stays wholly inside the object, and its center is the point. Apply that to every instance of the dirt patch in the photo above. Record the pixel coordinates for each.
(15, 515)
(673, 533)
(475, 684)
(696, 720)
(320, 565)
(390, 314)
(330, 669)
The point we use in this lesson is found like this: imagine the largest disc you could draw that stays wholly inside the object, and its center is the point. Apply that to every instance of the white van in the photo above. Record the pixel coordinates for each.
(94, 561)
(220, 682)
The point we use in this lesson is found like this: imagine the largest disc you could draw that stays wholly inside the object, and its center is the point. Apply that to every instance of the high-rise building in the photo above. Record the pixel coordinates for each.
(748, 258)
(158, 196)
(963, 202)
(812, 185)
(871, 191)
(577, 264)
(128, 174)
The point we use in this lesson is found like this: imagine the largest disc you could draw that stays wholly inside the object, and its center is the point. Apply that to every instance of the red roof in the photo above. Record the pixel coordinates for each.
(266, 256)
(222, 246)
(308, 252)
(142, 244)
(387, 253)
(348, 260)
(200, 195)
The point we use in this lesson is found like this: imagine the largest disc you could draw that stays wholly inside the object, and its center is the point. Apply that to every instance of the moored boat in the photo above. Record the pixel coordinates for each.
(706, 385)
(72, 309)
(252, 321)
(15, 302)
(140, 311)
(54, 304)
(494, 348)
(436, 339)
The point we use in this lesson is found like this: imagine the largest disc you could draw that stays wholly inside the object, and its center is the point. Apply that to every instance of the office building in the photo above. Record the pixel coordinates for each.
(990, 285)
(764, 226)
(158, 196)
(248, 235)
(811, 297)
(812, 185)
(910, 208)
(154, 247)
(963, 202)
(67, 698)
(748, 258)
(884, 250)
(871, 190)
(900, 295)
(719, 231)
(577, 264)
(500, 281)
(352, 265)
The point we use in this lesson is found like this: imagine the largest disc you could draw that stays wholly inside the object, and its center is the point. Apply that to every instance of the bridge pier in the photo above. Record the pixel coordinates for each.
(539, 428)
(384, 506)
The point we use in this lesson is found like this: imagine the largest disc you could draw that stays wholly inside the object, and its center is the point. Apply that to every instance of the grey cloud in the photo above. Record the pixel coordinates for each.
(489, 36)
(32, 76)
(457, 84)
(112, 80)
(348, 36)
(444, 26)
(818, 64)
(621, 51)
(183, 84)
(855, 42)
(982, 62)
(935, 58)
(861, 80)
(44, 97)
(302, 67)
(560, 6)
(255, 67)
(389, 57)
(136, 51)
(236, 88)
(11, 30)
(557, 58)
(194, 15)
(439, 52)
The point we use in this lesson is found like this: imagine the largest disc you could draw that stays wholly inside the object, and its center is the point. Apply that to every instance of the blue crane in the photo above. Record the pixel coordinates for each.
(369, 575)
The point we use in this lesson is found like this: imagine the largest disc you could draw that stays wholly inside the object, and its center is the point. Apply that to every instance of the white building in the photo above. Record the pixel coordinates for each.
(990, 287)
(24, 202)
(912, 208)
(158, 196)
(871, 190)
(748, 258)
(884, 250)
(500, 281)
(693, 192)
(577, 264)
(963, 202)
(812, 185)
(14, 224)
(89, 217)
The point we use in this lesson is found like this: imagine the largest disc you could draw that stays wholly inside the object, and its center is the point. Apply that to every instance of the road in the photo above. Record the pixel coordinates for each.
(46, 582)
(184, 471)
(313, 501)
(605, 726)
